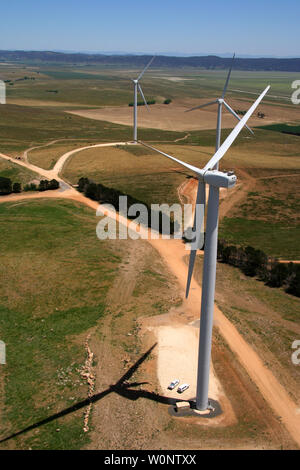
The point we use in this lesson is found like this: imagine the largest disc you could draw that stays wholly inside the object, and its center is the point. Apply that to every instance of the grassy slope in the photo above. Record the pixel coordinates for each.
(102, 86)
(46, 157)
(268, 319)
(143, 175)
(15, 172)
(22, 127)
(268, 218)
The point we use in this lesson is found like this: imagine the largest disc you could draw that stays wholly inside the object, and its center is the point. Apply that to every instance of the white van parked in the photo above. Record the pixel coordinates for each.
(182, 388)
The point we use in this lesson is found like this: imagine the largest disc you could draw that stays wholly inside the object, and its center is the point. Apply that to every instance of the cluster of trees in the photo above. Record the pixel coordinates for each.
(284, 128)
(8, 187)
(256, 263)
(141, 103)
(44, 185)
(100, 193)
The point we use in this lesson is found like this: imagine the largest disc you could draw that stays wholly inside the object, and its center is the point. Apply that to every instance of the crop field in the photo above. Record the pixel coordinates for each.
(97, 86)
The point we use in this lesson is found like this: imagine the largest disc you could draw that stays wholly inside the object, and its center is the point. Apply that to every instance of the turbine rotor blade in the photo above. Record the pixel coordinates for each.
(201, 106)
(198, 229)
(147, 66)
(228, 77)
(236, 115)
(142, 94)
(198, 171)
(234, 133)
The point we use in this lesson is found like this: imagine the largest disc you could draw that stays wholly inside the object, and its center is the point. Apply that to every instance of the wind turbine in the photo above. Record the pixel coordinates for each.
(221, 101)
(137, 87)
(215, 179)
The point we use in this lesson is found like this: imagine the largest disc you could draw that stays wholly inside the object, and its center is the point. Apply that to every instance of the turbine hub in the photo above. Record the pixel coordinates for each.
(220, 179)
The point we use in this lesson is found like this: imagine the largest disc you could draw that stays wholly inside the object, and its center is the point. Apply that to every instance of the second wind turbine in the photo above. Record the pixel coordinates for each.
(221, 101)
(138, 88)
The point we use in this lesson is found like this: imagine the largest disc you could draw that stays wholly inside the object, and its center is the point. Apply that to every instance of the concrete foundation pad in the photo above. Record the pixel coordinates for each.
(182, 405)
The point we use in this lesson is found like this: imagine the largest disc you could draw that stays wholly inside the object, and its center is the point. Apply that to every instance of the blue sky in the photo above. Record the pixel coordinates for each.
(265, 27)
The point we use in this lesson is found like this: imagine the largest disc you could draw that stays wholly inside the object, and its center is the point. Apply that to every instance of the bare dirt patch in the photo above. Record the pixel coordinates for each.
(173, 116)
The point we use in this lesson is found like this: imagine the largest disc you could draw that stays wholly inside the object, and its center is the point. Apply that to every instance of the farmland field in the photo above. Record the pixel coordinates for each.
(268, 318)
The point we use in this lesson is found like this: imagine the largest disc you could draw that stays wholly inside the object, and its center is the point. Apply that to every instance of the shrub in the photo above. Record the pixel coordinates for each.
(277, 274)
(43, 186)
(141, 103)
(17, 188)
(168, 101)
(82, 182)
(293, 279)
(30, 187)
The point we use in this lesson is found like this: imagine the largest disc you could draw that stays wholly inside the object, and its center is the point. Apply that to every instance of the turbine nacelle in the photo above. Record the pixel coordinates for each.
(220, 179)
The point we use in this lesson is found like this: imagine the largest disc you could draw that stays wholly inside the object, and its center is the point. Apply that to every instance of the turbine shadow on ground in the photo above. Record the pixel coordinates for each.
(121, 388)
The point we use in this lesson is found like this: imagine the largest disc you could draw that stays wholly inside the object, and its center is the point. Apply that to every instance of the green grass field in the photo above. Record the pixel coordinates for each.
(15, 172)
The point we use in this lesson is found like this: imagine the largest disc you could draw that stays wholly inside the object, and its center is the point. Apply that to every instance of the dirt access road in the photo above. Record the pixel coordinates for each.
(173, 253)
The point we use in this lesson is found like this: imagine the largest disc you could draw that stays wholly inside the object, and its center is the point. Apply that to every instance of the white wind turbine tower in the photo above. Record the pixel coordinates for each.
(221, 101)
(216, 180)
(137, 87)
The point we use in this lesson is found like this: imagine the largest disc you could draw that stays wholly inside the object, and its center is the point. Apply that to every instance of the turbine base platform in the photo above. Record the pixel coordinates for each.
(188, 409)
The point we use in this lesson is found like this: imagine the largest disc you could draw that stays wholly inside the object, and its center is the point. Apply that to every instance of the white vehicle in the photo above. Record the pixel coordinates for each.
(173, 384)
(182, 388)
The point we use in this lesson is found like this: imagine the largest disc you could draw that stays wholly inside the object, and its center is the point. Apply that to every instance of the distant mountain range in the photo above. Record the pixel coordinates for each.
(134, 60)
